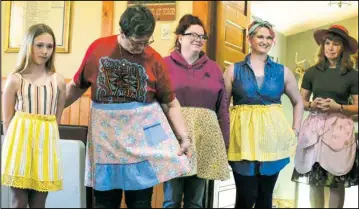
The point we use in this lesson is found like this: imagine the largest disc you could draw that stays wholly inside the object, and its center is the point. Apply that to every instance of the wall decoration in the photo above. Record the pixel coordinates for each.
(162, 10)
(20, 15)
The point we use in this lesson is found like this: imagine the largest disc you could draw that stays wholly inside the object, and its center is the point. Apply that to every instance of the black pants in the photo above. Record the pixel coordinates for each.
(134, 199)
(254, 190)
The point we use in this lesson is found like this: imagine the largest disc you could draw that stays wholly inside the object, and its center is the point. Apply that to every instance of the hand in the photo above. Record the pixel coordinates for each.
(315, 102)
(185, 144)
(328, 105)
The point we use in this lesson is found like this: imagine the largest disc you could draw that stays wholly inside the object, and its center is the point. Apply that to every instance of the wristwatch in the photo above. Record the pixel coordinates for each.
(309, 107)
(341, 109)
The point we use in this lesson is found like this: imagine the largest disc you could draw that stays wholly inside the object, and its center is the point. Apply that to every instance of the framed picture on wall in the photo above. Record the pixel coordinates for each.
(20, 15)
(161, 10)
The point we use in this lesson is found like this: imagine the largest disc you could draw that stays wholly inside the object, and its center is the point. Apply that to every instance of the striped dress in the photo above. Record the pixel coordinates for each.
(30, 157)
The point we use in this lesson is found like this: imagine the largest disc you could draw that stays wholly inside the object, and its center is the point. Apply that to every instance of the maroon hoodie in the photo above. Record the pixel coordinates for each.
(200, 85)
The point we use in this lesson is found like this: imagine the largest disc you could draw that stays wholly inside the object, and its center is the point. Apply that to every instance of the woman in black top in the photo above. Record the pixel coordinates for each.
(326, 153)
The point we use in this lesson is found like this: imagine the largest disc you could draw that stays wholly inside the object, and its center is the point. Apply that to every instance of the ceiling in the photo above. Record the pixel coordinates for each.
(291, 17)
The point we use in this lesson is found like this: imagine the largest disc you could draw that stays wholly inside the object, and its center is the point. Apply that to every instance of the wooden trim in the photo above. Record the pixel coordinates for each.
(201, 9)
(206, 11)
(78, 113)
(107, 18)
(212, 13)
(248, 14)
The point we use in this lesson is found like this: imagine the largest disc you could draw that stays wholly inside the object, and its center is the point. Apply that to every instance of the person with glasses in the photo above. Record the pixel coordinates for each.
(261, 140)
(199, 87)
(131, 145)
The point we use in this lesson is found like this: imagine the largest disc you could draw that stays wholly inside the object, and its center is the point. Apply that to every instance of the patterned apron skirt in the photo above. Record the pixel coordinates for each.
(131, 146)
(327, 153)
(209, 157)
(30, 157)
(260, 133)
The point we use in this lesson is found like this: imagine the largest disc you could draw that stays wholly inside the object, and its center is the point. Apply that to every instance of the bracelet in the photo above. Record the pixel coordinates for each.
(341, 108)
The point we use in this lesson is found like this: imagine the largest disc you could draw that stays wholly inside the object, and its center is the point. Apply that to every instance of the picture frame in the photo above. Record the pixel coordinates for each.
(161, 10)
(20, 15)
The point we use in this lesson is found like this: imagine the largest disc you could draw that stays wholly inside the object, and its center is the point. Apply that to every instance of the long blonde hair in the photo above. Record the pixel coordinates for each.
(25, 53)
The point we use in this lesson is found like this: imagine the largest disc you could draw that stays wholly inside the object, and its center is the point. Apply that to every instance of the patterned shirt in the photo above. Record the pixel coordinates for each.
(117, 76)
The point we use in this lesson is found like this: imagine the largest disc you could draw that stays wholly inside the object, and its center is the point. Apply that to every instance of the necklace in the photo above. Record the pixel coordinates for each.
(123, 61)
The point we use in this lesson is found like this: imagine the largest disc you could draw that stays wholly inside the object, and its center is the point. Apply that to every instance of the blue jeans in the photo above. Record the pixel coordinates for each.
(191, 187)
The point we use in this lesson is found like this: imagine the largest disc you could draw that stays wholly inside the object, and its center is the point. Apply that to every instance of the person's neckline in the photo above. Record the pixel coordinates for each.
(46, 82)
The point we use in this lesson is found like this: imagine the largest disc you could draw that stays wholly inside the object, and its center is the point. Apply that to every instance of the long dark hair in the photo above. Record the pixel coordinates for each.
(185, 22)
(344, 62)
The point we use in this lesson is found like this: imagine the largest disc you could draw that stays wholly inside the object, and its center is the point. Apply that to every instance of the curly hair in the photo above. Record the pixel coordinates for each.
(137, 21)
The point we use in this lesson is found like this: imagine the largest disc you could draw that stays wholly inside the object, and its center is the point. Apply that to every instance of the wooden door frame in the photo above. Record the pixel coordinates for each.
(108, 8)
(207, 12)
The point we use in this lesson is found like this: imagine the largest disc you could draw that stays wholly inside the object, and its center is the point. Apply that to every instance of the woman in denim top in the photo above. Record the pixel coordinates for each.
(261, 140)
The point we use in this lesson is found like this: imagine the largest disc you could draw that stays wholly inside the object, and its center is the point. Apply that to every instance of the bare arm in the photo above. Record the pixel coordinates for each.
(329, 105)
(173, 112)
(73, 93)
(352, 109)
(9, 99)
(61, 84)
(291, 90)
(228, 81)
(306, 96)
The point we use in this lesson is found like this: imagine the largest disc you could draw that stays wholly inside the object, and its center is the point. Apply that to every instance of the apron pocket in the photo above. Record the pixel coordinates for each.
(154, 134)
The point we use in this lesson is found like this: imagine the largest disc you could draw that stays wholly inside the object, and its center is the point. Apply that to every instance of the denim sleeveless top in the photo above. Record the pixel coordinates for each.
(245, 91)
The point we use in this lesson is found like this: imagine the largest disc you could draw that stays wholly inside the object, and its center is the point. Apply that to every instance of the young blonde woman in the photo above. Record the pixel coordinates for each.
(34, 99)
(261, 140)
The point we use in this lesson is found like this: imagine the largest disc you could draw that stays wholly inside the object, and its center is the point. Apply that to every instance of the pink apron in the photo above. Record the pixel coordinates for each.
(326, 138)
(131, 146)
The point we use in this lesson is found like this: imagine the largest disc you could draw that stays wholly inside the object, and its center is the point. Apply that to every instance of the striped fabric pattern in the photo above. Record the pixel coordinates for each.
(30, 157)
(37, 99)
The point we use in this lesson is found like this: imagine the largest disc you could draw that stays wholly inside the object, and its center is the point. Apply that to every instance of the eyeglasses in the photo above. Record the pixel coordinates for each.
(195, 36)
(146, 43)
